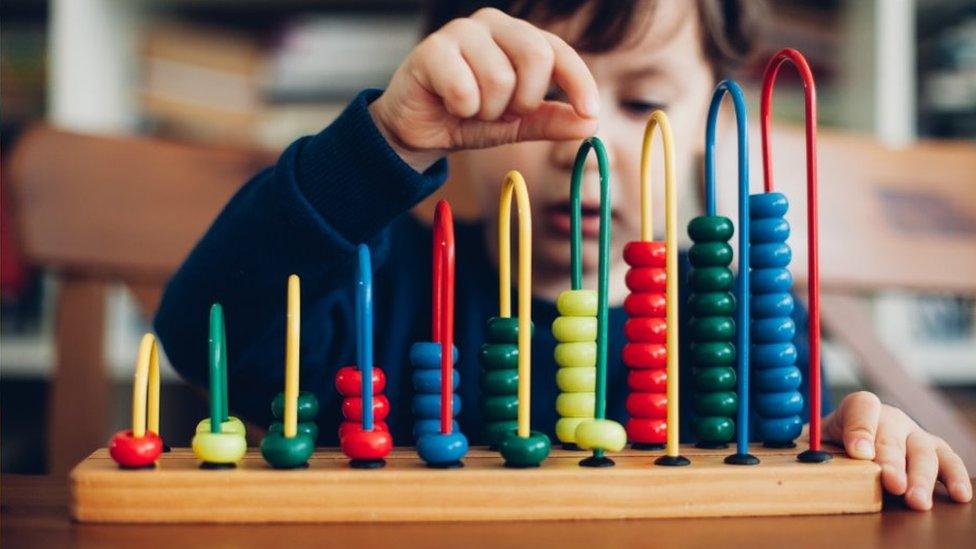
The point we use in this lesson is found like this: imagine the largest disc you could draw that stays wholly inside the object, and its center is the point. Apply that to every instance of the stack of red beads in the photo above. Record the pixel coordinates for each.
(645, 352)
(349, 383)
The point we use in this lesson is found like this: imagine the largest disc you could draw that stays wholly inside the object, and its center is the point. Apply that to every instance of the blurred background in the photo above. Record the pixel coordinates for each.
(108, 108)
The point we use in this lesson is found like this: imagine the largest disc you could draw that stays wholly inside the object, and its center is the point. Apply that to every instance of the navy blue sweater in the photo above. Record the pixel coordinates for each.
(305, 215)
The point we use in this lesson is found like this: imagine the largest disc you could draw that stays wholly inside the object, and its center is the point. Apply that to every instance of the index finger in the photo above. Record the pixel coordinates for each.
(572, 75)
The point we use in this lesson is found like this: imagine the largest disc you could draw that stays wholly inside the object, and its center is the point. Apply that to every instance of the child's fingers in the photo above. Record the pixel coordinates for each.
(551, 121)
(859, 415)
(923, 468)
(444, 72)
(952, 473)
(573, 76)
(490, 65)
(891, 451)
(528, 51)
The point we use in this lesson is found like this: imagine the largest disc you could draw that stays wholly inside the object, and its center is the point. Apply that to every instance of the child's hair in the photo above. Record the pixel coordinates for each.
(730, 28)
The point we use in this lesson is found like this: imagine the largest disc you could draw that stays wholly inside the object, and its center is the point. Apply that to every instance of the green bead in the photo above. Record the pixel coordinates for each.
(307, 428)
(720, 378)
(498, 356)
(713, 228)
(499, 382)
(286, 453)
(713, 429)
(500, 407)
(712, 353)
(308, 406)
(496, 431)
(710, 254)
(712, 304)
(710, 279)
(719, 403)
(525, 452)
(504, 329)
(712, 328)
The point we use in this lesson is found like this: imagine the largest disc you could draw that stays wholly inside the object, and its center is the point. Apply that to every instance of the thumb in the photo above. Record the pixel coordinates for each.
(856, 421)
(552, 121)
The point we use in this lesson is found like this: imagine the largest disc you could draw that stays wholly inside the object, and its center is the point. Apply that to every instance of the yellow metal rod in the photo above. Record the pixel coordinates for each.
(292, 335)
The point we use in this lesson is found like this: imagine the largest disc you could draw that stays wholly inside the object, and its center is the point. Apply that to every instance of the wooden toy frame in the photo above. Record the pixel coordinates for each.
(178, 491)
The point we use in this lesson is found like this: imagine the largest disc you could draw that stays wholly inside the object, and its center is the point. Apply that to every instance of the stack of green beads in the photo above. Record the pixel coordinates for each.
(308, 408)
(575, 330)
(712, 331)
(499, 379)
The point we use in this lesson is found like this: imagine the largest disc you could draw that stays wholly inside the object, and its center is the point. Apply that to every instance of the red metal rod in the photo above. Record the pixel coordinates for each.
(443, 306)
(813, 246)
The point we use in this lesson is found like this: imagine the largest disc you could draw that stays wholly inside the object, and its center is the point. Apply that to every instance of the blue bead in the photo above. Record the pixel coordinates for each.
(772, 405)
(763, 256)
(767, 281)
(771, 305)
(429, 406)
(768, 205)
(423, 427)
(441, 449)
(774, 229)
(772, 355)
(429, 381)
(773, 330)
(779, 429)
(427, 354)
(777, 380)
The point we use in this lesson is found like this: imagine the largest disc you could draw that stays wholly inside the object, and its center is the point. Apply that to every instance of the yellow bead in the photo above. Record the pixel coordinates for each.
(232, 425)
(576, 380)
(219, 447)
(577, 303)
(576, 355)
(601, 434)
(575, 404)
(568, 329)
(566, 428)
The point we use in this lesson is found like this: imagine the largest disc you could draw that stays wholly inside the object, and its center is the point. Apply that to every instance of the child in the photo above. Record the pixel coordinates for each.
(491, 92)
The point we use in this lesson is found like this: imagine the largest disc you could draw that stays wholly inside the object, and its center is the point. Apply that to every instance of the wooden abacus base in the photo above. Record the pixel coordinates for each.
(329, 490)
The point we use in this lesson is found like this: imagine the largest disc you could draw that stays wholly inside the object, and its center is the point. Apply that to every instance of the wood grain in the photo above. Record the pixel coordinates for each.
(329, 491)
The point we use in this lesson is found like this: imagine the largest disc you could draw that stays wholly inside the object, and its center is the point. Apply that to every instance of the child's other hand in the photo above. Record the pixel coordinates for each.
(481, 81)
(911, 459)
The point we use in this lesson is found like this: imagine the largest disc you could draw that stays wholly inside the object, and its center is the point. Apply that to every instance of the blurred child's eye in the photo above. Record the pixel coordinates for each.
(639, 107)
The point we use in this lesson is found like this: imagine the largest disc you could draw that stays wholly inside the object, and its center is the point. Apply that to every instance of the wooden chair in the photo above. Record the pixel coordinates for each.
(100, 211)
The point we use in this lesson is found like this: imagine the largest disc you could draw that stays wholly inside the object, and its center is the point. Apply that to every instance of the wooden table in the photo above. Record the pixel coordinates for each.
(35, 514)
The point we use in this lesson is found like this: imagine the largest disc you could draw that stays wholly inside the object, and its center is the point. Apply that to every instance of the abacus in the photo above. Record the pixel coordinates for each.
(529, 480)
(446, 447)
(364, 440)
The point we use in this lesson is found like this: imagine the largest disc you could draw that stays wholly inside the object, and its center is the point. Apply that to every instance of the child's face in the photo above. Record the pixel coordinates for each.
(664, 68)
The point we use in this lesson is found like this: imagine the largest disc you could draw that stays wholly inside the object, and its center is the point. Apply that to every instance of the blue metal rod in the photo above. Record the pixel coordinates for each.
(364, 332)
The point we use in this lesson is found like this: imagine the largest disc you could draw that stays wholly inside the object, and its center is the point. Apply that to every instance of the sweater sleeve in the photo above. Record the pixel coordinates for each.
(304, 215)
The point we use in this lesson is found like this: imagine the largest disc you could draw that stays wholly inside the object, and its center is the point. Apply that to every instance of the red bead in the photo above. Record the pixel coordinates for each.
(647, 405)
(645, 254)
(352, 408)
(650, 381)
(349, 381)
(359, 444)
(648, 431)
(129, 451)
(645, 355)
(645, 304)
(347, 427)
(647, 279)
(646, 329)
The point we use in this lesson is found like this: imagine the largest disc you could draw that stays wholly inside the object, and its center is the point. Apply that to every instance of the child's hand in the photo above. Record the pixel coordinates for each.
(481, 81)
(871, 430)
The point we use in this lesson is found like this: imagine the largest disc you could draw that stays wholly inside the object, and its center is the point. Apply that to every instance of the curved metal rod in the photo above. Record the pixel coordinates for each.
(443, 306)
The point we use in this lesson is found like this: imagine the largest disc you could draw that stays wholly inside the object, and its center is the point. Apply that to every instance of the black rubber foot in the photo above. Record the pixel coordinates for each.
(594, 461)
(672, 461)
(166, 448)
(711, 445)
(570, 446)
(813, 456)
(784, 444)
(302, 466)
(138, 468)
(647, 446)
(742, 459)
(450, 465)
(366, 463)
(217, 466)
(521, 466)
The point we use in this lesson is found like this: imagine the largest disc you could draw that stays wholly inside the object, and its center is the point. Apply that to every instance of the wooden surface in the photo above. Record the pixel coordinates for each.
(35, 514)
(330, 491)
